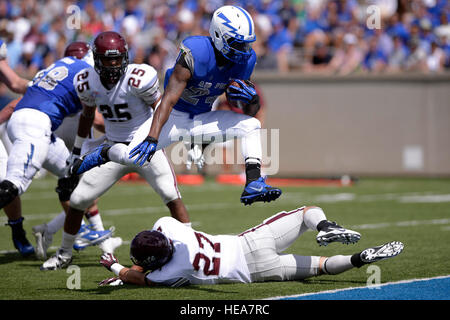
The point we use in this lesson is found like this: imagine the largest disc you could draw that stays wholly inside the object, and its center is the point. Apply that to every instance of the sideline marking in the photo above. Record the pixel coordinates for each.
(353, 288)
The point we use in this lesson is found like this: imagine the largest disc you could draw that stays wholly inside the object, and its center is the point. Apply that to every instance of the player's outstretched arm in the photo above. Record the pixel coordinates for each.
(177, 83)
(12, 80)
(134, 275)
(7, 111)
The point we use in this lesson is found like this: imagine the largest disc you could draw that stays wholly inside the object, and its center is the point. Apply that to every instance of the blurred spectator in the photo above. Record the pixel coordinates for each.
(398, 56)
(320, 59)
(305, 35)
(435, 61)
(375, 60)
(417, 58)
(347, 59)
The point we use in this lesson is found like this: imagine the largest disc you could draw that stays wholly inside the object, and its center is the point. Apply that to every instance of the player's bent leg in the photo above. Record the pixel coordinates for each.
(161, 177)
(30, 132)
(8, 192)
(14, 213)
(63, 256)
(179, 211)
(284, 228)
(329, 232)
(20, 241)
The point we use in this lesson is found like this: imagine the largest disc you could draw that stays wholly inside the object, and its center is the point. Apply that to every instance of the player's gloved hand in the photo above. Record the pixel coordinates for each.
(74, 155)
(3, 50)
(115, 281)
(246, 94)
(195, 155)
(144, 151)
(107, 260)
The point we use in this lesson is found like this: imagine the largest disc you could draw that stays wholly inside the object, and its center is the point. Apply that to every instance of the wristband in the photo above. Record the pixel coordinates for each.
(116, 267)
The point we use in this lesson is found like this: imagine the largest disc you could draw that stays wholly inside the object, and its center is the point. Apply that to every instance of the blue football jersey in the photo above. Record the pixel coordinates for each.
(53, 92)
(208, 80)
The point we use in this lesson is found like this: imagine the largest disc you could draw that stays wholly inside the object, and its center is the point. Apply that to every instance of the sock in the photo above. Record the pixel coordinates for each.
(356, 260)
(16, 226)
(252, 169)
(95, 219)
(56, 223)
(313, 216)
(67, 242)
(323, 225)
(337, 264)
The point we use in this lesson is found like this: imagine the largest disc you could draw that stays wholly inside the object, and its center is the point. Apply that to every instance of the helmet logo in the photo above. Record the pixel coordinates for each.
(233, 30)
(112, 52)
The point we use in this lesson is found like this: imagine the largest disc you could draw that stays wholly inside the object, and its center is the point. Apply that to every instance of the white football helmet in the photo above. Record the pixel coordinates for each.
(232, 31)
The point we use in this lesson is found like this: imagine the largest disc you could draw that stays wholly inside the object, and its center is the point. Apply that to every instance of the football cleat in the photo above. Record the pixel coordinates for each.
(258, 190)
(43, 240)
(19, 239)
(335, 233)
(59, 261)
(92, 159)
(388, 250)
(88, 237)
(110, 244)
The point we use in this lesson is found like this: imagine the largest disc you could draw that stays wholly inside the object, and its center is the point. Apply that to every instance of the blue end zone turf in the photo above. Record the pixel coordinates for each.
(421, 289)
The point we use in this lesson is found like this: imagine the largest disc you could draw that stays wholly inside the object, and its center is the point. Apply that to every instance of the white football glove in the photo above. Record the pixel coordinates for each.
(195, 155)
(111, 282)
(3, 50)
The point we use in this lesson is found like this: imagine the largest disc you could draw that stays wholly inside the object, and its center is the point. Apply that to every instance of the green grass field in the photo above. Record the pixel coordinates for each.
(414, 211)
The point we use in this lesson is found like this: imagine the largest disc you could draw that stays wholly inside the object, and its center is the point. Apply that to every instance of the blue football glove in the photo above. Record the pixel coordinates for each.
(246, 94)
(144, 151)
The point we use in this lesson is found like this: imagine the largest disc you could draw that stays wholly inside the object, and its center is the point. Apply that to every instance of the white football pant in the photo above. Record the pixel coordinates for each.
(263, 246)
(218, 126)
(95, 182)
(30, 132)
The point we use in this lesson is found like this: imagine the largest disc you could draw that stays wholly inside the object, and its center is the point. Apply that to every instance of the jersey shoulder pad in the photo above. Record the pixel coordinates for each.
(142, 80)
(198, 52)
(85, 82)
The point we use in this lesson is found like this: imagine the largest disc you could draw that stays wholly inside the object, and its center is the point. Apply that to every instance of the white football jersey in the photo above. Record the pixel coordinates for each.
(125, 106)
(199, 258)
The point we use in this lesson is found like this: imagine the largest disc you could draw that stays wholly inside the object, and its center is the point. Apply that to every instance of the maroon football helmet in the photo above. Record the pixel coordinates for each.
(77, 49)
(151, 249)
(110, 52)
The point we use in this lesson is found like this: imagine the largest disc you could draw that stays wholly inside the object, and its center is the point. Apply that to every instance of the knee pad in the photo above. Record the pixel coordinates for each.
(66, 186)
(8, 192)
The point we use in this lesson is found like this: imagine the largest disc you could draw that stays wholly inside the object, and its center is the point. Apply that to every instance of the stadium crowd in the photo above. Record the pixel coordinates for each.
(328, 36)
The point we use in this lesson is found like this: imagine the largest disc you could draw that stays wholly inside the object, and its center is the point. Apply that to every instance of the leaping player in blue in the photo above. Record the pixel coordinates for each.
(205, 66)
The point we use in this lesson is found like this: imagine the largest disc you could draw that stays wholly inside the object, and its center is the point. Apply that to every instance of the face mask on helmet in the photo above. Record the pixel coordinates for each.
(110, 68)
(236, 50)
